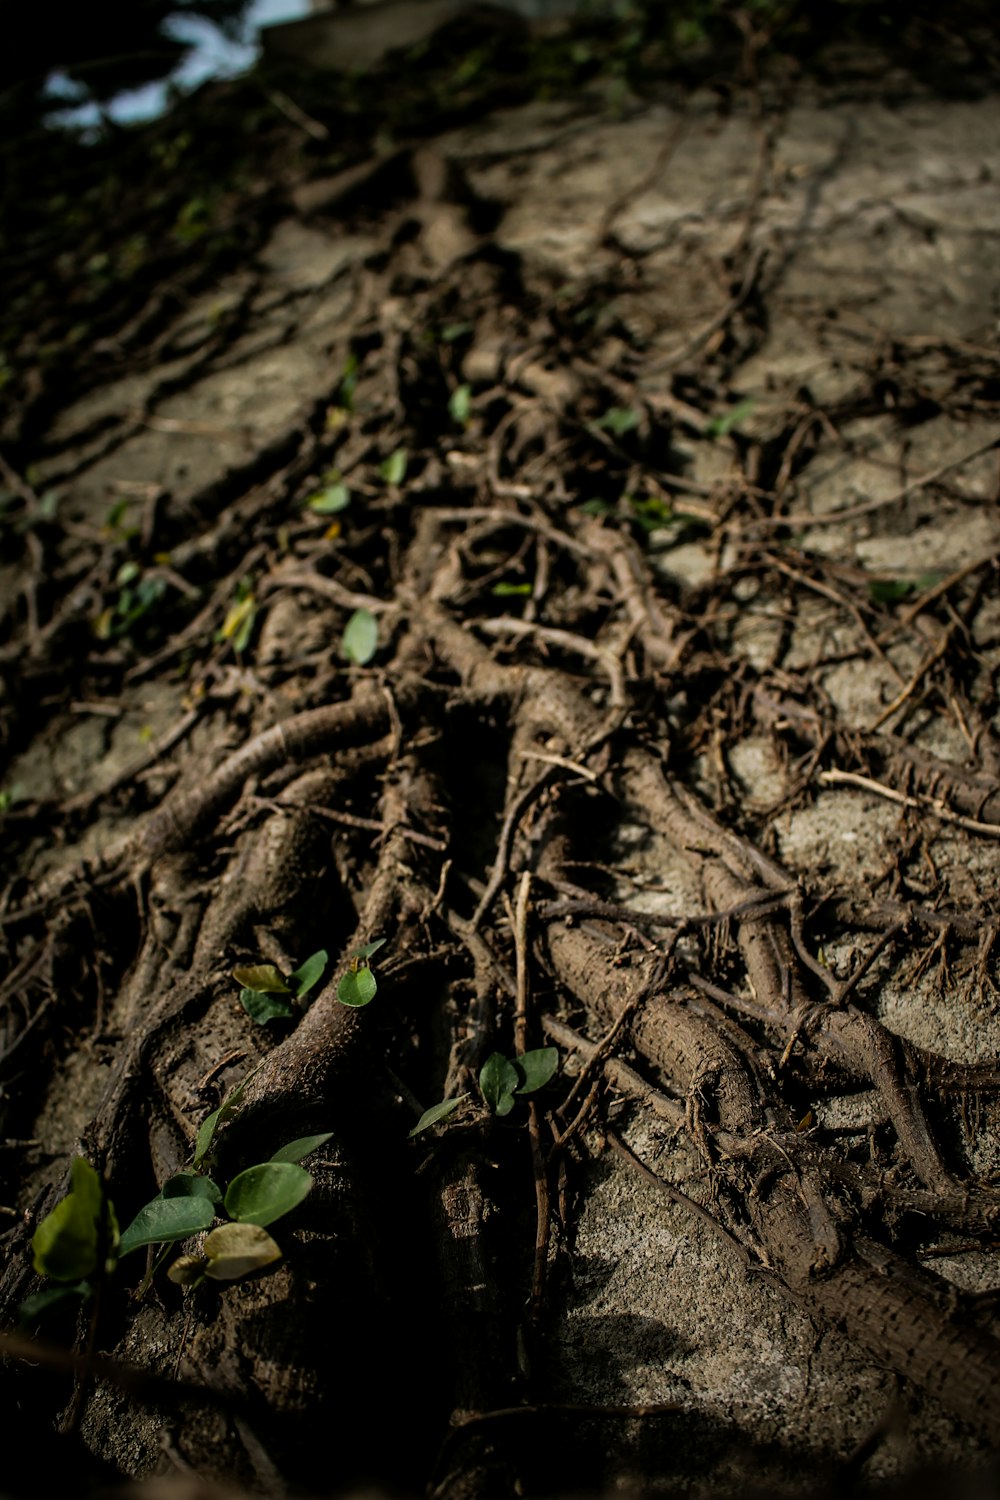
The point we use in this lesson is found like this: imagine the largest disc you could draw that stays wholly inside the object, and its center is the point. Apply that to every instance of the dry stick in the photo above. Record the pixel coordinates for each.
(910, 613)
(328, 588)
(921, 804)
(910, 687)
(832, 518)
(514, 518)
(501, 863)
(971, 791)
(534, 1129)
(889, 1307)
(166, 742)
(827, 592)
(568, 641)
(678, 1196)
(721, 318)
(598, 1055)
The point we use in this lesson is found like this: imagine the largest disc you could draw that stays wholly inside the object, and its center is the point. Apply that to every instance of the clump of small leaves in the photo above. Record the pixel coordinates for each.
(267, 994)
(69, 1242)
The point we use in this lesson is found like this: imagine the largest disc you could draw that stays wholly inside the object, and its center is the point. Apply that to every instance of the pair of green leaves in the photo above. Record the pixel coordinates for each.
(264, 987)
(502, 1078)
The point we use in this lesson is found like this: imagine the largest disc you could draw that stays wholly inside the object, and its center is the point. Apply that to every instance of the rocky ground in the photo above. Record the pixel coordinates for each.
(652, 444)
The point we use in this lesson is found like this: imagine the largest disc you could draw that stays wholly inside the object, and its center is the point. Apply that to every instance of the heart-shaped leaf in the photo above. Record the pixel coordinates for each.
(234, 1250)
(499, 1081)
(393, 468)
(165, 1220)
(357, 987)
(211, 1123)
(264, 1193)
(536, 1068)
(303, 1147)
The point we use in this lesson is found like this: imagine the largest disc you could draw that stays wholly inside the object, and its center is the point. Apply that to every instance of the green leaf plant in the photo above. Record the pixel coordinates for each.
(70, 1241)
(267, 994)
(358, 987)
(503, 1079)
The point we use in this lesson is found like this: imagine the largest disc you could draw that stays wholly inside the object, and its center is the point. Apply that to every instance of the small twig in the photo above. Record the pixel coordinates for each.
(568, 641)
(534, 1125)
(504, 843)
(852, 512)
(910, 687)
(920, 804)
(563, 761)
(617, 1144)
(297, 115)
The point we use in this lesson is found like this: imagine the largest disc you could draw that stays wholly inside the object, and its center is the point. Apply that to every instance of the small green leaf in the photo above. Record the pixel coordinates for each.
(499, 1081)
(889, 591)
(66, 1242)
(393, 469)
(651, 512)
(596, 508)
(235, 1250)
(436, 1114)
(357, 987)
(369, 949)
(460, 404)
(452, 331)
(241, 639)
(266, 1192)
(165, 1220)
(264, 1008)
(211, 1123)
(263, 979)
(206, 1131)
(360, 639)
(237, 616)
(536, 1068)
(308, 974)
(304, 1146)
(719, 426)
(619, 420)
(191, 1185)
(504, 590)
(328, 502)
(34, 1309)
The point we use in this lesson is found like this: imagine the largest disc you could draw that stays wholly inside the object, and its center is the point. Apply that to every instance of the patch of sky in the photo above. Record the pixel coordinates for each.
(211, 55)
